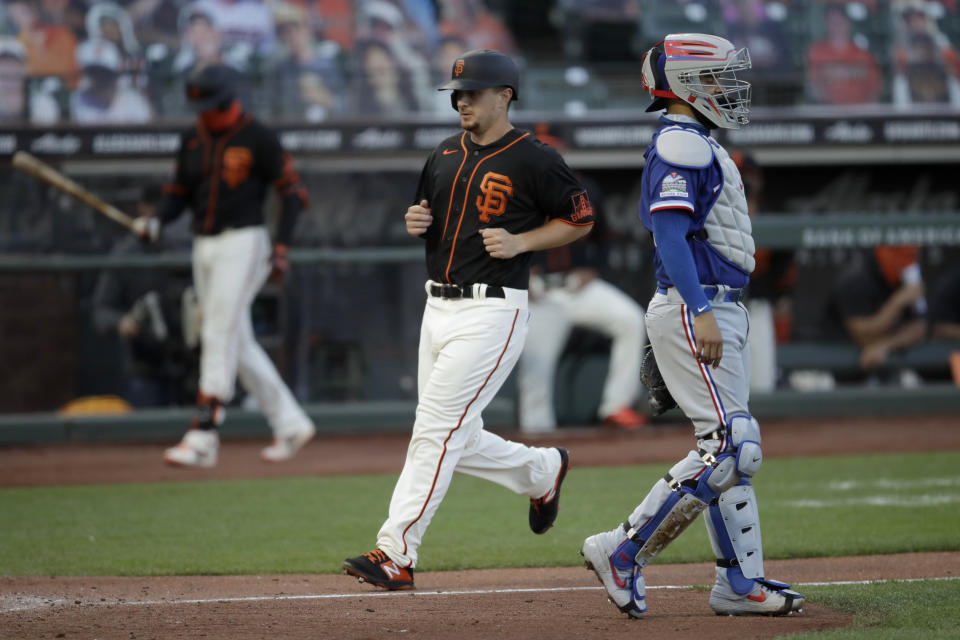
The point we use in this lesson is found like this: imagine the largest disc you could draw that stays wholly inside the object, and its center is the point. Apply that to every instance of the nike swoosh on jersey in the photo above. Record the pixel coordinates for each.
(702, 309)
(447, 152)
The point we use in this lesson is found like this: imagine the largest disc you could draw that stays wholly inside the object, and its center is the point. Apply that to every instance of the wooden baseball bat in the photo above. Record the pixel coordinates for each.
(29, 163)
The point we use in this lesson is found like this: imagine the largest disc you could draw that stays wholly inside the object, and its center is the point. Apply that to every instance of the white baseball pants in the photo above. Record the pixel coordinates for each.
(467, 349)
(598, 306)
(228, 271)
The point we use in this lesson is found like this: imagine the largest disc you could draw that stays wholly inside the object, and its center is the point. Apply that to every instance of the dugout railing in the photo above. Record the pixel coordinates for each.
(578, 381)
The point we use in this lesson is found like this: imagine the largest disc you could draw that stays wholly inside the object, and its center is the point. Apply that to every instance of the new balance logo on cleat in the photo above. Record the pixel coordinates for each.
(379, 570)
(390, 570)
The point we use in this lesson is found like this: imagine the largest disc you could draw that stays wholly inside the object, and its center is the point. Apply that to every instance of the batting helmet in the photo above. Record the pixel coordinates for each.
(700, 70)
(481, 69)
(211, 87)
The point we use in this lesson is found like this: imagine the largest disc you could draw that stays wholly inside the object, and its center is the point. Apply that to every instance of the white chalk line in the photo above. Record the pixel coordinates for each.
(24, 603)
(889, 483)
(921, 501)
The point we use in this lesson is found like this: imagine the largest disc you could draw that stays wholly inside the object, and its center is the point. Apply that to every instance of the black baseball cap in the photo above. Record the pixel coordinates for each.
(211, 87)
(481, 69)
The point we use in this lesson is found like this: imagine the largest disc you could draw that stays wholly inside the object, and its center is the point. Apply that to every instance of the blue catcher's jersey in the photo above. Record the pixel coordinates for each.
(692, 182)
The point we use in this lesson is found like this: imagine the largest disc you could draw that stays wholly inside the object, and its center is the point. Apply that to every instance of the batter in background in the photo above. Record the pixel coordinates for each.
(224, 168)
(693, 202)
(487, 197)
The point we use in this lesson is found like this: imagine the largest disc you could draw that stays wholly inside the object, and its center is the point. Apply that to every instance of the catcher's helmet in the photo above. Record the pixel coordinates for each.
(211, 87)
(480, 69)
(699, 69)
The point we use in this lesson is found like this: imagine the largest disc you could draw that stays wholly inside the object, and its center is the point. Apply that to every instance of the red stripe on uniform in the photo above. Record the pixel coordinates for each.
(463, 415)
(700, 365)
(674, 204)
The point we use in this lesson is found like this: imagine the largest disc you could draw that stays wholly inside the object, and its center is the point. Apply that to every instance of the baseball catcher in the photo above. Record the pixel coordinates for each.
(693, 202)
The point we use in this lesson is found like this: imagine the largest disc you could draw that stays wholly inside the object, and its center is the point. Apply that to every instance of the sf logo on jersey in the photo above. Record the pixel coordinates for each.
(496, 189)
(236, 165)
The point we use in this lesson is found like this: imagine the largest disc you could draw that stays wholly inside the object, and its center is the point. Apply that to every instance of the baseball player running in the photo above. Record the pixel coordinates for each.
(224, 167)
(487, 197)
(693, 203)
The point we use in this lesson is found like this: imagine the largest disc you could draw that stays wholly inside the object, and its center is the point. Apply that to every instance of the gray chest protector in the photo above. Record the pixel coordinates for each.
(727, 225)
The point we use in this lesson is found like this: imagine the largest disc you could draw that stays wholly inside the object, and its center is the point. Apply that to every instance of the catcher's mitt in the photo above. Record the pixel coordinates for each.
(659, 396)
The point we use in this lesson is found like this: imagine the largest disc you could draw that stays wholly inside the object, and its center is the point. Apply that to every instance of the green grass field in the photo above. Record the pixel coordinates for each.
(809, 507)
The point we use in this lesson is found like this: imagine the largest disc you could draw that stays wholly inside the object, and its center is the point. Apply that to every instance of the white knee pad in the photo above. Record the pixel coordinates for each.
(733, 525)
(744, 432)
(724, 473)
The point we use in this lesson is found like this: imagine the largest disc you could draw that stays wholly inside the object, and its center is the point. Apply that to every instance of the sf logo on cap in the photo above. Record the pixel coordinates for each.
(458, 68)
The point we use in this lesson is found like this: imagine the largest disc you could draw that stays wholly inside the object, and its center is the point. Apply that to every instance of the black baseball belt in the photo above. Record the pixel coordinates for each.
(456, 291)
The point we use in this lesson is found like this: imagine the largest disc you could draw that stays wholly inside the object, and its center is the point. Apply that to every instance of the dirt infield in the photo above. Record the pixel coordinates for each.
(551, 603)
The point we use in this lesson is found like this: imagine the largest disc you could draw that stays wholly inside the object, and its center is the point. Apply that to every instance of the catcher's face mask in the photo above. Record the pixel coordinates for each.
(701, 70)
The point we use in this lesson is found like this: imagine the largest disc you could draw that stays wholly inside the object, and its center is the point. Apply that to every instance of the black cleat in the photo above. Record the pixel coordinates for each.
(543, 510)
(379, 570)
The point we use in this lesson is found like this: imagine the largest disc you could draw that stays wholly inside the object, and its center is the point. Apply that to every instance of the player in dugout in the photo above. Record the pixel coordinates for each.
(225, 165)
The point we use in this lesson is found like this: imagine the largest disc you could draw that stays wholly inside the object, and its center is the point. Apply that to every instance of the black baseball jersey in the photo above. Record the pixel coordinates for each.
(517, 183)
(223, 178)
(587, 252)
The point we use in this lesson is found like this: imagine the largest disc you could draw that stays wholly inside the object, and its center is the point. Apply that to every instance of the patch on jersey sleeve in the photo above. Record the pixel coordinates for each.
(674, 185)
(581, 207)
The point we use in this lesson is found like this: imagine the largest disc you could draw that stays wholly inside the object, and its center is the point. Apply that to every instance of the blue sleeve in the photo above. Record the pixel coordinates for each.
(670, 232)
